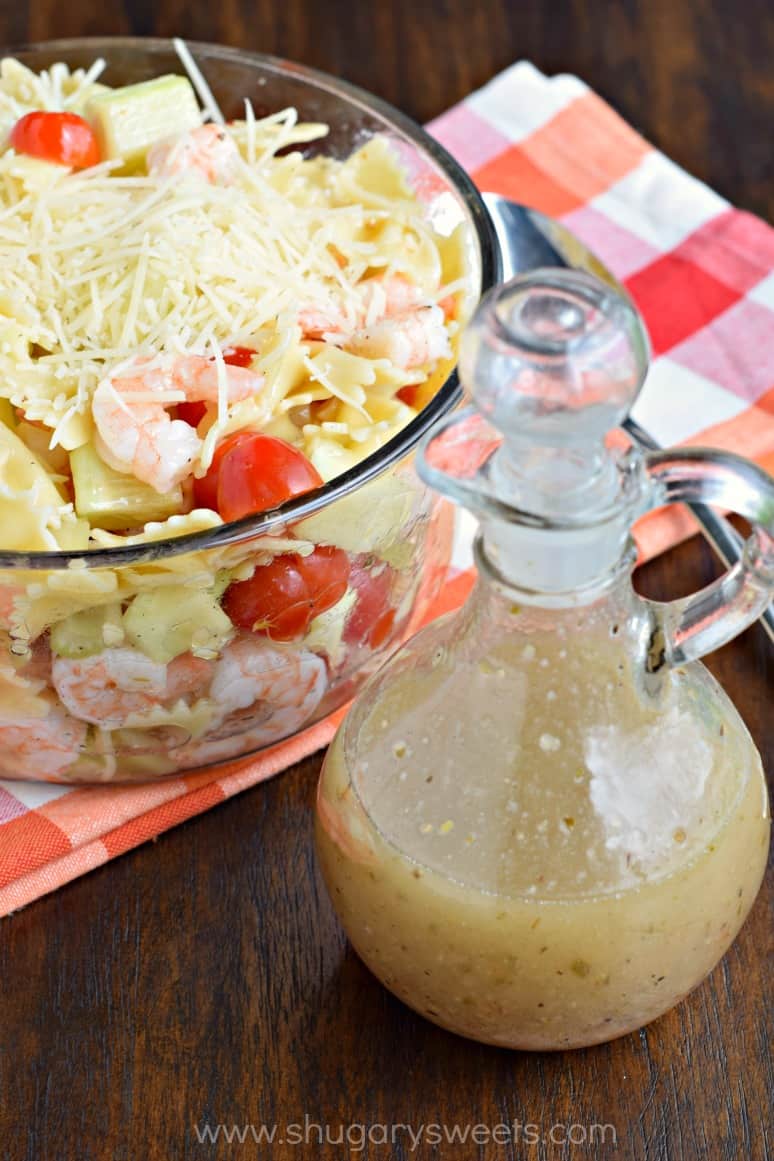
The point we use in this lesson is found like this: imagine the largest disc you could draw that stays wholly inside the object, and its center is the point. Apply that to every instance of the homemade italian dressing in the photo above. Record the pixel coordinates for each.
(543, 822)
(530, 854)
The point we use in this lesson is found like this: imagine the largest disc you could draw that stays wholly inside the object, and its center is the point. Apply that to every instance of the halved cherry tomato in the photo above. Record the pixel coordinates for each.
(64, 138)
(206, 489)
(280, 599)
(371, 619)
(251, 472)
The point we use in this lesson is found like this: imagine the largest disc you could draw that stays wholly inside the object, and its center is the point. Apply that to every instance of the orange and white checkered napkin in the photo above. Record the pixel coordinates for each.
(701, 272)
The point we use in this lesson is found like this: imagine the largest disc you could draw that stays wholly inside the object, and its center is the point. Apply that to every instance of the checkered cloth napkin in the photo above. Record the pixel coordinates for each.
(702, 273)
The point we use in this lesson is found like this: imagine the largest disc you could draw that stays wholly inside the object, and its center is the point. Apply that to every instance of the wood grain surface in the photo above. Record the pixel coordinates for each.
(202, 979)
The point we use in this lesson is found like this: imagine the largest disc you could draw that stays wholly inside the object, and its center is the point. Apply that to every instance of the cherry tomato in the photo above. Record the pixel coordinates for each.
(409, 394)
(382, 627)
(371, 618)
(273, 602)
(327, 574)
(238, 356)
(64, 138)
(206, 489)
(255, 473)
(192, 413)
(280, 599)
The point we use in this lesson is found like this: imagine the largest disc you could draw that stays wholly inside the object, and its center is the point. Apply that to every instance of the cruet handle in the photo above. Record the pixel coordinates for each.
(687, 629)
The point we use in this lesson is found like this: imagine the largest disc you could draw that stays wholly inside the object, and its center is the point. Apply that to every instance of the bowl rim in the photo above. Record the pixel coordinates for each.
(403, 443)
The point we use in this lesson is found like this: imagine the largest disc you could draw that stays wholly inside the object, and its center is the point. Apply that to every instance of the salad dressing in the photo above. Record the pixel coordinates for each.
(548, 885)
(543, 822)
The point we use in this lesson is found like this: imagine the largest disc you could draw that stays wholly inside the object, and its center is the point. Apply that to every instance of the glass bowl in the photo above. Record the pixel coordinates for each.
(396, 537)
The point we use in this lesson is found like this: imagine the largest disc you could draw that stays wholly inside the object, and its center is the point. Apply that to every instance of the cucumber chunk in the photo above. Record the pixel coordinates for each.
(176, 619)
(129, 120)
(113, 501)
(375, 518)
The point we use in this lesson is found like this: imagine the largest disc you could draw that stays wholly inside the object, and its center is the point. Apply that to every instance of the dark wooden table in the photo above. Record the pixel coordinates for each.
(203, 979)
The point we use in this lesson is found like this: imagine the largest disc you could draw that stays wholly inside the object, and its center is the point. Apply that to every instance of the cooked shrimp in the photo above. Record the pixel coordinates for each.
(135, 434)
(108, 687)
(384, 297)
(41, 747)
(316, 322)
(379, 297)
(207, 152)
(391, 322)
(187, 675)
(263, 693)
(287, 684)
(408, 340)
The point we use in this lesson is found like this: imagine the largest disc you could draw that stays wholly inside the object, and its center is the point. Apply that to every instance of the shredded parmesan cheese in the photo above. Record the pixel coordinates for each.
(203, 90)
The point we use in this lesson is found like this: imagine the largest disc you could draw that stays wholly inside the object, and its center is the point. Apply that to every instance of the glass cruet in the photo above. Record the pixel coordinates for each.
(543, 822)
